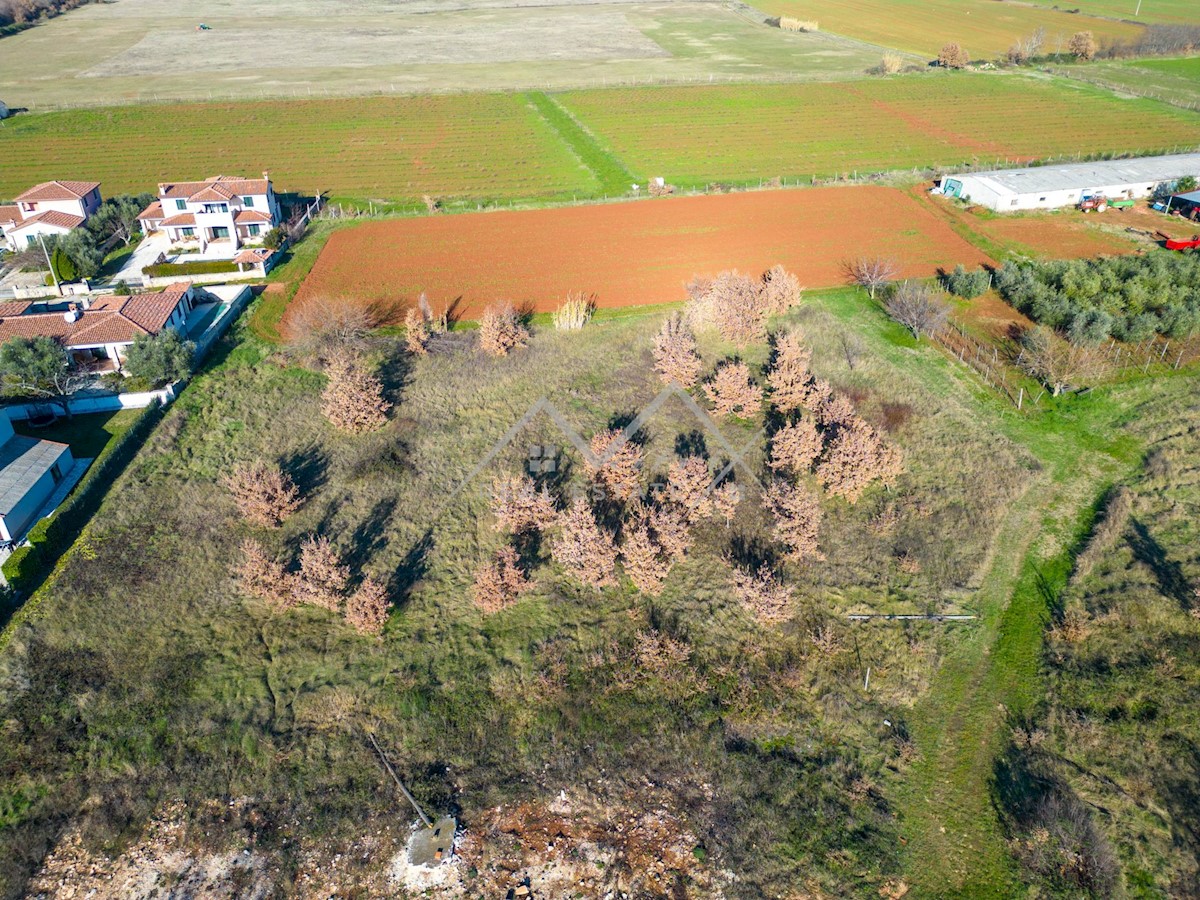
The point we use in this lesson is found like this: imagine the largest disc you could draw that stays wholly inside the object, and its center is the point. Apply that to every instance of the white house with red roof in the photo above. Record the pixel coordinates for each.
(50, 208)
(98, 334)
(219, 214)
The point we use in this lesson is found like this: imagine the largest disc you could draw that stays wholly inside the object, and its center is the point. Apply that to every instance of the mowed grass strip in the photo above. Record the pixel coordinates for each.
(480, 146)
(696, 135)
(984, 27)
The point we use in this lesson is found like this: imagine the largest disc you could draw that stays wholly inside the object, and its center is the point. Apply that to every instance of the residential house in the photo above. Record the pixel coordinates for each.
(218, 215)
(98, 333)
(51, 208)
(30, 470)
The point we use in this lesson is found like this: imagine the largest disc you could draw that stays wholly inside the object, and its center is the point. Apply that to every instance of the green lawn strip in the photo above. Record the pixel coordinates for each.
(613, 177)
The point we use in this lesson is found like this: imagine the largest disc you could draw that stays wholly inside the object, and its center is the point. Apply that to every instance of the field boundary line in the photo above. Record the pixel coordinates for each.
(609, 171)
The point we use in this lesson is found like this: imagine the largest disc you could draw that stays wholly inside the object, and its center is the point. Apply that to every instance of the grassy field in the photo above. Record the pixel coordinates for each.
(130, 51)
(986, 28)
(697, 135)
(1172, 80)
(500, 147)
(1151, 11)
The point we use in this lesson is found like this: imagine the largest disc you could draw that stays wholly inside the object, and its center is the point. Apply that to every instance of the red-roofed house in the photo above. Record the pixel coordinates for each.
(222, 208)
(103, 330)
(52, 208)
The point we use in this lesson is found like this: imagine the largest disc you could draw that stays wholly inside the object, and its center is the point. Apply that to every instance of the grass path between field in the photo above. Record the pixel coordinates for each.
(954, 843)
(609, 171)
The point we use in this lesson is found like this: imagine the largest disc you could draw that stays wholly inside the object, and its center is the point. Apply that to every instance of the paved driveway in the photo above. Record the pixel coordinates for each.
(145, 255)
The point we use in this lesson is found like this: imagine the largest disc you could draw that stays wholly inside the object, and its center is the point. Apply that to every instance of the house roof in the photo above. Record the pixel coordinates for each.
(253, 256)
(13, 308)
(111, 320)
(1190, 196)
(9, 215)
(153, 211)
(58, 190)
(232, 184)
(251, 215)
(181, 219)
(1085, 175)
(51, 217)
(23, 461)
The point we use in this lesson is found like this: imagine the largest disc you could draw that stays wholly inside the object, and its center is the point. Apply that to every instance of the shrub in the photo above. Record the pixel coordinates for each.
(264, 578)
(732, 391)
(918, 307)
(575, 312)
(586, 552)
(326, 327)
(501, 330)
(174, 270)
(675, 357)
(730, 303)
(967, 285)
(952, 56)
(891, 63)
(617, 464)
(367, 607)
(275, 238)
(263, 493)
(353, 399)
(500, 582)
(788, 23)
(520, 507)
(797, 514)
(322, 579)
(762, 594)
(416, 332)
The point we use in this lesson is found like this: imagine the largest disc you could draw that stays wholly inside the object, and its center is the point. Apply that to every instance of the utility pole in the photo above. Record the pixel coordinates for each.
(50, 265)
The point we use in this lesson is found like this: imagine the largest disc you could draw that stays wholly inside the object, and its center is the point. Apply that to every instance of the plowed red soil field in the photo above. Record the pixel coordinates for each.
(628, 253)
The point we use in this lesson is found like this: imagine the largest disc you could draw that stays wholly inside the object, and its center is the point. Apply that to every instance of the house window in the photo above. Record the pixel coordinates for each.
(248, 202)
(220, 233)
(189, 232)
(1014, 203)
(56, 473)
(1041, 199)
(254, 230)
(216, 207)
(181, 204)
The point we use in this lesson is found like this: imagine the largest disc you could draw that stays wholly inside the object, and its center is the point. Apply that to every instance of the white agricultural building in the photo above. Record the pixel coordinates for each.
(1049, 187)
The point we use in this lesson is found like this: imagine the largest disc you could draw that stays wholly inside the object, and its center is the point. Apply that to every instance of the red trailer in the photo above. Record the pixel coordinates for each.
(1193, 243)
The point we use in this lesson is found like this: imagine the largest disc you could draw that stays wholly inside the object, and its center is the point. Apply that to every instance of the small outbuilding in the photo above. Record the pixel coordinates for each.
(1051, 187)
(30, 470)
(1187, 205)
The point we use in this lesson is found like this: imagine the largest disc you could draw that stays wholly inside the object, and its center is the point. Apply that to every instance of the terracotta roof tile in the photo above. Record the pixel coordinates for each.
(253, 256)
(13, 308)
(59, 190)
(181, 219)
(251, 215)
(53, 218)
(9, 215)
(213, 193)
(233, 184)
(111, 320)
(151, 311)
(153, 211)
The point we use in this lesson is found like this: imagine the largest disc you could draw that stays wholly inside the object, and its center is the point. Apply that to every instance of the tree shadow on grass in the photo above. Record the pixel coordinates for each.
(371, 534)
(1167, 572)
(411, 570)
(307, 468)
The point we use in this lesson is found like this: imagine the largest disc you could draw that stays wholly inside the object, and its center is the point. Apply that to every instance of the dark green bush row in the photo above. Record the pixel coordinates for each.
(50, 537)
(967, 285)
(1129, 298)
(210, 267)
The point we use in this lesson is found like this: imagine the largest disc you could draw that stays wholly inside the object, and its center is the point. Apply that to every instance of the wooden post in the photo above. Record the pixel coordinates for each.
(1021, 399)
(1179, 359)
(400, 784)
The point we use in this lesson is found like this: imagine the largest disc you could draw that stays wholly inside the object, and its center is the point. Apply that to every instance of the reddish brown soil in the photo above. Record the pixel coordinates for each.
(629, 253)
(1064, 236)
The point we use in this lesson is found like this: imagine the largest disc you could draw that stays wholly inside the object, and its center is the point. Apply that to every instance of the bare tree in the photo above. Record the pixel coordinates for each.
(780, 291)
(643, 559)
(618, 464)
(795, 446)
(670, 527)
(952, 56)
(675, 356)
(762, 594)
(520, 507)
(263, 493)
(1057, 363)
(324, 327)
(322, 579)
(353, 398)
(688, 488)
(582, 548)
(790, 379)
(367, 607)
(871, 272)
(501, 330)
(725, 499)
(500, 582)
(264, 578)
(1082, 45)
(856, 456)
(797, 513)
(918, 307)
(732, 391)
(732, 304)
(416, 332)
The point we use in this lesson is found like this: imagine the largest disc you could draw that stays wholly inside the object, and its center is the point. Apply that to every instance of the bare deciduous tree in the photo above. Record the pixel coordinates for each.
(780, 291)
(367, 607)
(1082, 45)
(617, 464)
(768, 599)
(501, 330)
(856, 456)
(671, 530)
(725, 499)
(871, 272)
(416, 331)
(834, 411)
(733, 392)
(322, 579)
(643, 559)
(500, 582)
(325, 327)
(952, 56)
(582, 548)
(263, 493)
(797, 513)
(795, 446)
(688, 488)
(675, 356)
(520, 507)
(731, 304)
(265, 578)
(353, 399)
(1058, 364)
(790, 376)
(918, 307)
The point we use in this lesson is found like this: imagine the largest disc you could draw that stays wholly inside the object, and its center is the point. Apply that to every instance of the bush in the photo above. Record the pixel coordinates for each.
(501, 330)
(967, 285)
(952, 56)
(575, 312)
(172, 270)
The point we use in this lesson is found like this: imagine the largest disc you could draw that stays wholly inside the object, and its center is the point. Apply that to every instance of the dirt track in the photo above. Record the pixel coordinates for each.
(629, 253)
